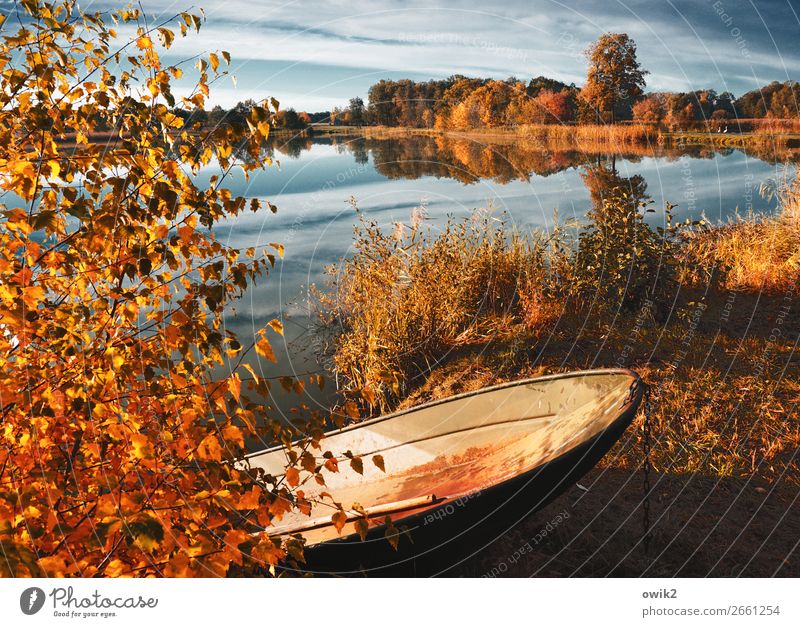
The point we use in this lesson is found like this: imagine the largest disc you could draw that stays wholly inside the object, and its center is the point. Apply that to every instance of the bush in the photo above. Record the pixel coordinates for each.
(407, 300)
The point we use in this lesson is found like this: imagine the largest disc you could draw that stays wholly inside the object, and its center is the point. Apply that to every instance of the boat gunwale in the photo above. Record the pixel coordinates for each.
(441, 401)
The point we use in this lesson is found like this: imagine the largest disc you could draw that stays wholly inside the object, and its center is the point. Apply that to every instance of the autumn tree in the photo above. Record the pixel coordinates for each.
(288, 119)
(614, 80)
(781, 100)
(356, 110)
(120, 439)
(556, 107)
(652, 109)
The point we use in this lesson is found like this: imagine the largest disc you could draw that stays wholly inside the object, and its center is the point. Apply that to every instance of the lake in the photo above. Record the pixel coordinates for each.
(523, 183)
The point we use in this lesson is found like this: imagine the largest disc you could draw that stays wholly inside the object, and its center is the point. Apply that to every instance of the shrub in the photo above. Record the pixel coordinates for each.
(407, 298)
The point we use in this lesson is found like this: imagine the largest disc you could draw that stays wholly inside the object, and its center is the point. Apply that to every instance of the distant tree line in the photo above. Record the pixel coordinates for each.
(613, 91)
(283, 119)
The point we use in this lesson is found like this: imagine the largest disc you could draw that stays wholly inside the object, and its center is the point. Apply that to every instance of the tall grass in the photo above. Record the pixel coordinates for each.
(409, 299)
(754, 252)
(592, 134)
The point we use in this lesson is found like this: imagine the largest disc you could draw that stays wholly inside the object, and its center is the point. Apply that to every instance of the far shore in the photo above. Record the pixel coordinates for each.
(617, 134)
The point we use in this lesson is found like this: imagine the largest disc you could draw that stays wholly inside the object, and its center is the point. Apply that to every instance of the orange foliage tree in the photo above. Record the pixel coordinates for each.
(118, 444)
(615, 80)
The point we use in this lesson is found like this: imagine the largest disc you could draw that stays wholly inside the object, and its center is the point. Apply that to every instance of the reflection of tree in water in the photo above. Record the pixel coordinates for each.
(274, 148)
(293, 147)
(358, 147)
(469, 160)
(607, 188)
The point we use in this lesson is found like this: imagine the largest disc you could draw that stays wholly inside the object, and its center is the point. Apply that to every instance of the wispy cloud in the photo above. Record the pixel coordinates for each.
(313, 54)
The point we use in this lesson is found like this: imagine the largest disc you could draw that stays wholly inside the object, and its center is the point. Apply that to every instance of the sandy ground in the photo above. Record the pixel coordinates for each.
(702, 526)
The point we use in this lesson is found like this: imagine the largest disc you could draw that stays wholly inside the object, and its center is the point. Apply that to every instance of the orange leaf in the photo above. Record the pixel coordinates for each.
(264, 349)
(250, 499)
(235, 386)
(339, 519)
(331, 464)
(292, 476)
(209, 448)
(142, 447)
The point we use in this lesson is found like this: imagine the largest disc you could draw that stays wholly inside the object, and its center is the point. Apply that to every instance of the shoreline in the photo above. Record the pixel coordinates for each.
(626, 135)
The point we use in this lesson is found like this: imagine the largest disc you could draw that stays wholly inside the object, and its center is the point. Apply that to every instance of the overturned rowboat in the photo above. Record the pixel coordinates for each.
(460, 471)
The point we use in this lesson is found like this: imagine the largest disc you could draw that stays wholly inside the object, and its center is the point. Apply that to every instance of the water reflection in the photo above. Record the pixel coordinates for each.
(502, 160)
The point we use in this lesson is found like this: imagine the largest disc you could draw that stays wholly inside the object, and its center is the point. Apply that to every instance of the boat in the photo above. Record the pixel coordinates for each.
(456, 473)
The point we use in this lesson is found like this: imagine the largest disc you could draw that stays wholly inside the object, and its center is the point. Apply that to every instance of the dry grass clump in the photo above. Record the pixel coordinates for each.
(769, 125)
(592, 134)
(756, 253)
(405, 299)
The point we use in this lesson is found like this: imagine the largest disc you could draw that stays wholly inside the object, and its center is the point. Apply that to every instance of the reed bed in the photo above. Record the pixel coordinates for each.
(592, 134)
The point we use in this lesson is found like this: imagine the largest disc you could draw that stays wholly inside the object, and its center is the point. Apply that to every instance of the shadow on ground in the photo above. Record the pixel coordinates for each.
(702, 526)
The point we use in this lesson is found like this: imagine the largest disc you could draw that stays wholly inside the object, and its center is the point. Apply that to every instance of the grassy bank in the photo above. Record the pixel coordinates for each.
(706, 314)
(593, 137)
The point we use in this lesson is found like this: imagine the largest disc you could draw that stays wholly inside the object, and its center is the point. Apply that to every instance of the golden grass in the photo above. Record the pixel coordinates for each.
(406, 299)
(592, 134)
(753, 253)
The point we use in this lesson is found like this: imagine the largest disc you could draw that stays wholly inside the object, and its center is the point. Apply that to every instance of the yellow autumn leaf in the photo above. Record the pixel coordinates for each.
(144, 43)
(141, 446)
(264, 349)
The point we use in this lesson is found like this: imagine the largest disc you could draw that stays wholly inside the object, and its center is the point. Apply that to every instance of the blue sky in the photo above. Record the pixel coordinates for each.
(316, 55)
